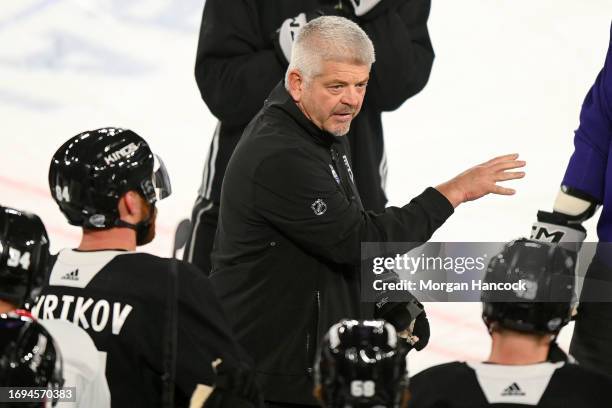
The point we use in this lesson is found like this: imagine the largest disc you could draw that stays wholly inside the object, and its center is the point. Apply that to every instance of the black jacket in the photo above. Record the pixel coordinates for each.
(287, 251)
(237, 67)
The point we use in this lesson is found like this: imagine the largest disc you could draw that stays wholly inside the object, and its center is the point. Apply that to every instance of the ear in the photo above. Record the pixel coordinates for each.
(296, 84)
(130, 207)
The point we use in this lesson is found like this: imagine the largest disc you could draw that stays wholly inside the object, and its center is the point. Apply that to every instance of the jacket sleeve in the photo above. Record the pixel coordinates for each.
(587, 167)
(299, 196)
(234, 70)
(204, 333)
(404, 54)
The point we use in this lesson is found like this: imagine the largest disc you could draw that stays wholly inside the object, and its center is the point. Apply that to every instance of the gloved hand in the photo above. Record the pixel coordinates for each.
(361, 7)
(417, 335)
(557, 228)
(410, 321)
(235, 387)
(564, 225)
(289, 29)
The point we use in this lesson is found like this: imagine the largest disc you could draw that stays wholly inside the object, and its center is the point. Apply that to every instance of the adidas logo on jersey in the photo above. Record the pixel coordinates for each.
(512, 390)
(74, 275)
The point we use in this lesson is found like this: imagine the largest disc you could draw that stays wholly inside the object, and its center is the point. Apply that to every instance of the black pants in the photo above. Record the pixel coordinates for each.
(204, 219)
(287, 405)
(592, 339)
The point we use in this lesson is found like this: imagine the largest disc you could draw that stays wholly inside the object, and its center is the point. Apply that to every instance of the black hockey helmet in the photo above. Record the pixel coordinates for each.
(29, 355)
(24, 256)
(545, 305)
(361, 364)
(92, 170)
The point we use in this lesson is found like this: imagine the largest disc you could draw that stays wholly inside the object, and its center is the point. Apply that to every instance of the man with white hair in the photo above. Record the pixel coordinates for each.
(243, 52)
(287, 251)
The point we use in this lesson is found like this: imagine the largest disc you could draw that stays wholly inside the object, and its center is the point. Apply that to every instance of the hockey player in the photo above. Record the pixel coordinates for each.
(24, 258)
(24, 264)
(69, 360)
(157, 320)
(243, 51)
(22, 342)
(586, 185)
(362, 364)
(523, 328)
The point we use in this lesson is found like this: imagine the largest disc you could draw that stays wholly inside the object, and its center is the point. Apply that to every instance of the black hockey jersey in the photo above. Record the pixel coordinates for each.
(121, 299)
(475, 385)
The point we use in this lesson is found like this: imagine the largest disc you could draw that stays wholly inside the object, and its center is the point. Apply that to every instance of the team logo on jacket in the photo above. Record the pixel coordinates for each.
(319, 207)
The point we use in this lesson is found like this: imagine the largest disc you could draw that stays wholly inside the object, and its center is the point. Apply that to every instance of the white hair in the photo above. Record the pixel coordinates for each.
(329, 38)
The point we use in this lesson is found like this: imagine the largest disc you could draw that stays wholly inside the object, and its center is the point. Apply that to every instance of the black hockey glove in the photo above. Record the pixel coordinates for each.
(409, 319)
(558, 228)
(564, 225)
(234, 388)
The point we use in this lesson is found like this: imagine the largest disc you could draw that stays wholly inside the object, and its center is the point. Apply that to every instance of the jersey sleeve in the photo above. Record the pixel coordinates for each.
(441, 385)
(204, 334)
(299, 196)
(422, 392)
(587, 167)
(84, 367)
(404, 54)
(93, 392)
(234, 69)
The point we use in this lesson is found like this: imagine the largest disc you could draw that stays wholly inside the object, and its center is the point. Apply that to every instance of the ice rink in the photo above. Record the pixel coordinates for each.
(509, 76)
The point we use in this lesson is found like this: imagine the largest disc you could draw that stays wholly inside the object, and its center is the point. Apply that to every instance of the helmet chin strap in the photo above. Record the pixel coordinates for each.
(142, 227)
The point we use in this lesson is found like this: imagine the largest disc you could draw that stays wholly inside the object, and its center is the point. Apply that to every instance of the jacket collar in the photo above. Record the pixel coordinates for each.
(281, 99)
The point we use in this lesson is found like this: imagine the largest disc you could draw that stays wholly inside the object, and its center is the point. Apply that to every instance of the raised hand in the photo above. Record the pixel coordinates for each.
(482, 179)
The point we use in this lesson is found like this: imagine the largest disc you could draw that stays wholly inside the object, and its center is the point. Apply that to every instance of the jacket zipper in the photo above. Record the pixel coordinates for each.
(318, 312)
(308, 336)
(335, 157)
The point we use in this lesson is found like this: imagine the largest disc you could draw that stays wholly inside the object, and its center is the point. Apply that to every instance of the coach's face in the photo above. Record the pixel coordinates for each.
(332, 98)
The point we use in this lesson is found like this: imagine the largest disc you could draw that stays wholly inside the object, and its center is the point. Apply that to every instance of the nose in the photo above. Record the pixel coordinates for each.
(351, 96)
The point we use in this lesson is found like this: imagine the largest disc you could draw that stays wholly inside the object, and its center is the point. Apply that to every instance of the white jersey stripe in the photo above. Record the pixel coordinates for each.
(382, 170)
(209, 165)
(196, 224)
(213, 160)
